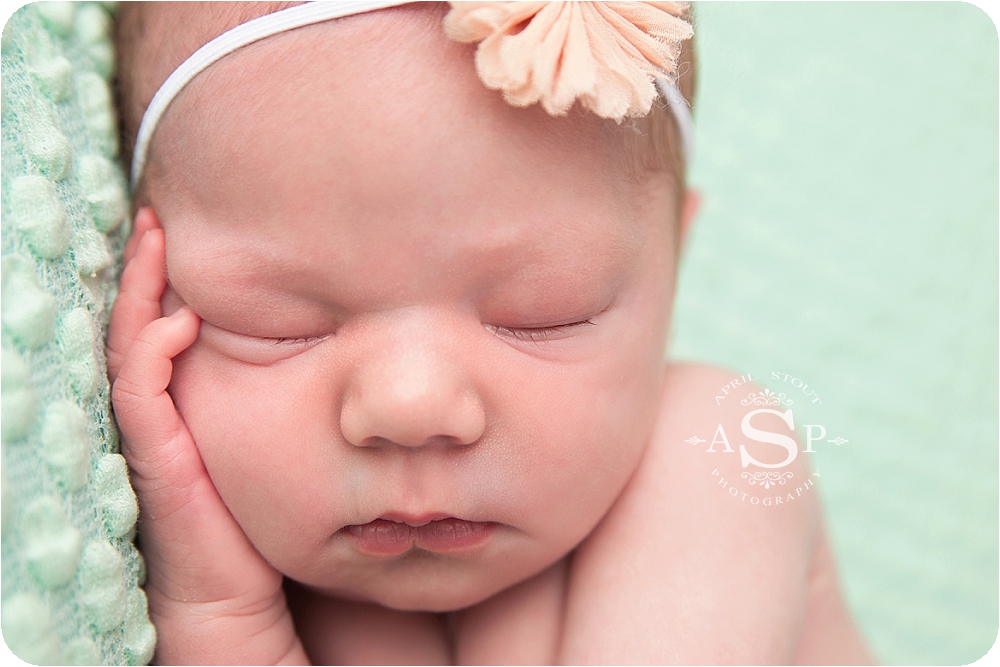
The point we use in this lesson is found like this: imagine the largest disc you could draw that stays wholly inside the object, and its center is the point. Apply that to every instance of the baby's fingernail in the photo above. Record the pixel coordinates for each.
(139, 246)
(180, 311)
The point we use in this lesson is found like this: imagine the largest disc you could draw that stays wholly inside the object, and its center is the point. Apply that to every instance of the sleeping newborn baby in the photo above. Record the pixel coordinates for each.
(388, 354)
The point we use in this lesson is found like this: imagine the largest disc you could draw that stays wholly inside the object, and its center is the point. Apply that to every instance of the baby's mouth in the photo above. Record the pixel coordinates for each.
(384, 537)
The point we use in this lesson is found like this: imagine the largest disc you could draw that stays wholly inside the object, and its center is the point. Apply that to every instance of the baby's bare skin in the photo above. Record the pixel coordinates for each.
(678, 573)
(374, 289)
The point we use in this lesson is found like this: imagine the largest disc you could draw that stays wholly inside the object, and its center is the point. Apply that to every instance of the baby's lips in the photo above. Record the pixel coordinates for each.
(383, 537)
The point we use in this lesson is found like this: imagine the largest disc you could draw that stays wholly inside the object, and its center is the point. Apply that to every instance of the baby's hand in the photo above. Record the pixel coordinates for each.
(212, 597)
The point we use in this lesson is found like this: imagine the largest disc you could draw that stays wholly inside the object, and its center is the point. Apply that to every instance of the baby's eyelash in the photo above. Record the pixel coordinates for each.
(535, 334)
(297, 341)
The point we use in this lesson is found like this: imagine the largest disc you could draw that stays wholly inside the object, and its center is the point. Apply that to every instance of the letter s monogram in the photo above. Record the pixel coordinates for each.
(769, 437)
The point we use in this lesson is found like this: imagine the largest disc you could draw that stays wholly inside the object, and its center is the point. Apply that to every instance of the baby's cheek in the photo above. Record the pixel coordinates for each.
(578, 446)
(257, 430)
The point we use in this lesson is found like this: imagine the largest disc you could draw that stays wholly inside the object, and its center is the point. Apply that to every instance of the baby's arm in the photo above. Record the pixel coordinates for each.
(829, 636)
(212, 597)
(681, 572)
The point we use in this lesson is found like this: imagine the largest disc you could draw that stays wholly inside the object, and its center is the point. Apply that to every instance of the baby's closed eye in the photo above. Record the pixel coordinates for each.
(257, 349)
(540, 334)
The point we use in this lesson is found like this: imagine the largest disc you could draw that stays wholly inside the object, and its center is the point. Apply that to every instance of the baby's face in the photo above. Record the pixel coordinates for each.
(433, 325)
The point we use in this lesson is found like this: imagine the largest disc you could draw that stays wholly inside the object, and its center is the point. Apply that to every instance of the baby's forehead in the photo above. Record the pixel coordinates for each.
(386, 89)
(154, 38)
(352, 86)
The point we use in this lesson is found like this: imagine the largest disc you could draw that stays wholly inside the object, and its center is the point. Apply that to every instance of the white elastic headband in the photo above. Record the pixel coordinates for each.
(297, 17)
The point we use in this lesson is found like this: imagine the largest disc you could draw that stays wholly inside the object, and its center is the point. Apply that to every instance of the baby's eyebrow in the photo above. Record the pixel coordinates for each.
(219, 291)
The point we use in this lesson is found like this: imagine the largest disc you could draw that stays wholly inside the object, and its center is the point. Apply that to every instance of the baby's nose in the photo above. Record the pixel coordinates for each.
(410, 390)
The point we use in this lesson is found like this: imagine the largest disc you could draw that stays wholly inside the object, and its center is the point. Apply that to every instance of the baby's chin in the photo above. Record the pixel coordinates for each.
(416, 596)
(424, 583)
(404, 598)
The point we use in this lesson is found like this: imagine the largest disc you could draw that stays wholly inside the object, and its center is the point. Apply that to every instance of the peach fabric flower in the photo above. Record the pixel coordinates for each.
(606, 54)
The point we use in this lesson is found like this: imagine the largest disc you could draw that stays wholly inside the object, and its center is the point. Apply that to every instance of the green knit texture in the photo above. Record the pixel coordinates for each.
(848, 157)
(71, 574)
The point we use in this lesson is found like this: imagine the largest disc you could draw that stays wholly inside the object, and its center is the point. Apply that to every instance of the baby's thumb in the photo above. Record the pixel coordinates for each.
(156, 441)
(195, 549)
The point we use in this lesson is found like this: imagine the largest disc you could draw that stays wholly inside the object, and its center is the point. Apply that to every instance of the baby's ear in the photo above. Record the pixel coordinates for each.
(145, 219)
(689, 209)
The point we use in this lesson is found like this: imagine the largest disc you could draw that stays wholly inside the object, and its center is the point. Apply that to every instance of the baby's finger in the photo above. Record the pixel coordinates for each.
(183, 521)
(138, 301)
(145, 220)
(143, 408)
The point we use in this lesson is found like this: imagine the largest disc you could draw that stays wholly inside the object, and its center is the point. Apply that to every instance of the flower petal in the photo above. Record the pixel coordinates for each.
(605, 54)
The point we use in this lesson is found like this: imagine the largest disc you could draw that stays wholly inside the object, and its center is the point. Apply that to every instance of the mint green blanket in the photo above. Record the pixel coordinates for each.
(70, 590)
(848, 155)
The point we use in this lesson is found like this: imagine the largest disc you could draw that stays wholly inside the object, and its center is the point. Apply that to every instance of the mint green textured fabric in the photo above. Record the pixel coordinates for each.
(71, 575)
(848, 157)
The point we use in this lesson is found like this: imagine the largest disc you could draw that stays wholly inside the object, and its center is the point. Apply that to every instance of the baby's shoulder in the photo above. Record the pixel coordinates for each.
(680, 552)
(695, 392)
(719, 435)
(723, 421)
